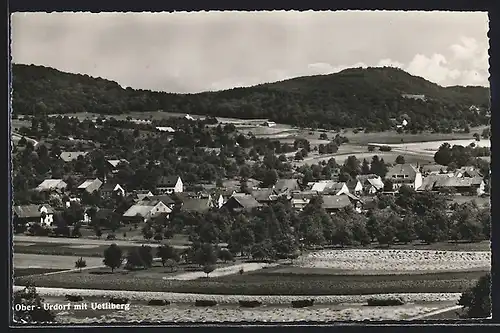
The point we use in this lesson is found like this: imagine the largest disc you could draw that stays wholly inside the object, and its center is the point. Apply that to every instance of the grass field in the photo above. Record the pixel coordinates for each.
(62, 249)
(23, 260)
(18, 272)
(261, 283)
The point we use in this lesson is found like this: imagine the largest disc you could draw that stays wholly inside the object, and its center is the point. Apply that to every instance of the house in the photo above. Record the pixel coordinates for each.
(188, 117)
(467, 185)
(165, 129)
(286, 186)
(404, 174)
(169, 185)
(138, 195)
(49, 185)
(331, 187)
(108, 189)
(68, 156)
(90, 185)
(167, 200)
(432, 169)
(264, 195)
(354, 186)
(334, 203)
(143, 211)
(198, 205)
(67, 203)
(113, 164)
(429, 181)
(371, 183)
(300, 199)
(30, 214)
(355, 201)
(219, 197)
(240, 202)
(468, 171)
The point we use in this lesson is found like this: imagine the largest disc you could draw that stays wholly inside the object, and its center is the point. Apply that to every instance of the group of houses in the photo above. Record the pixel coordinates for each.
(170, 194)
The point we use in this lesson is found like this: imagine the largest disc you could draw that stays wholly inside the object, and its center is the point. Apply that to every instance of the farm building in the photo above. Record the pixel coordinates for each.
(264, 195)
(467, 185)
(286, 186)
(165, 129)
(144, 211)
(334, 203)
(68, 156)
(239, 202)
(169, 185)
(371, 183)
(167, 200)
(108, 189)
(52, 185)
(354, 187)
(113, 164)
(29, 214)
(198, 205)
(90, 185)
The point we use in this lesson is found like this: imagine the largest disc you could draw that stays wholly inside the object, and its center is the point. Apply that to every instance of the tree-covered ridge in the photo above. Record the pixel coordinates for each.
(351, 98)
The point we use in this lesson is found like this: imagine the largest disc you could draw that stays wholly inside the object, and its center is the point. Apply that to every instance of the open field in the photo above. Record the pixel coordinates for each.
(23, 260)
(33, 271)
(260, 282)
(87, 241)
(396, 260)
(62, 249)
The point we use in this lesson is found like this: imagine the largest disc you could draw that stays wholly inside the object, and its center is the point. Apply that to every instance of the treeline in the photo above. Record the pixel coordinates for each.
(366, 98)
(458, 156)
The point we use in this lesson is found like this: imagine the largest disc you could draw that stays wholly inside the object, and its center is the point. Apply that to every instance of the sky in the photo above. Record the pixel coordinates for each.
(188, 52)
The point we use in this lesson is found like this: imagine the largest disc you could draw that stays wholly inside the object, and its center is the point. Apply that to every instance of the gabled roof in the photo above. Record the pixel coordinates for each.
(140, 209)
(458, 182)
(402, 169)
(304, 194)
(167, 200)
(264, 194)
(283, 185)
(110, 186)
(168, 181)
(433, 168)
(363, 178)
(335, 201)
(165, 129)
(115, 163)
(334, 187)
(245, 201)
(68, 156)
(195, 205)
(104, 213)
(31, 211)
(351, 185)
(376, 182)
(88, 183)
(49, 184)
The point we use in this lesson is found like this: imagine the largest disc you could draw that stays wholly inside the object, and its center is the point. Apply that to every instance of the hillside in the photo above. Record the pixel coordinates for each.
(351, 98)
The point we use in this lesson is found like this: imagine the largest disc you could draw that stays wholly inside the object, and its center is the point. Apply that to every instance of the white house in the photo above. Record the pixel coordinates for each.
(330, 187)
(145, 210)
(51, 185)
(404, 174)
(109, 188)
(90, 185)
(169, 185)
(371, 183)
(29, 214)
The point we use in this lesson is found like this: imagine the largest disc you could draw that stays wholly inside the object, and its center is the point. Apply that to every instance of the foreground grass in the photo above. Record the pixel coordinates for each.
(262, 283)
(19, 272)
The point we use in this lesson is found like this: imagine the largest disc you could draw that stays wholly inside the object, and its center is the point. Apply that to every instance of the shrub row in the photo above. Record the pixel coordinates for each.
(385, 301)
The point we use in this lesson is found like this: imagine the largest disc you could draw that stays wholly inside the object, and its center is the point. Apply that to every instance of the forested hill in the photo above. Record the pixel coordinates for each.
(351, 98)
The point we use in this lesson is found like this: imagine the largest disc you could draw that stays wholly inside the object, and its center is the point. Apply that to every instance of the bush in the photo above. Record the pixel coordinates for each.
(74, 298)
(250, 304)
(385, 301)
(158, 302)
(302, 303)
(477, 300)
(385, 148)
(205, 303)
(111, 237)
(118, 300)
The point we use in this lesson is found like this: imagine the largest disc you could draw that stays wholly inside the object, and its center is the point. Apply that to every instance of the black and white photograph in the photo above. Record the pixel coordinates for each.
(250, 167)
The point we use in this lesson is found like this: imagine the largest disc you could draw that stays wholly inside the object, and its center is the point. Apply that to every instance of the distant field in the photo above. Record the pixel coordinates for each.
(389, 157)
(23, 260)
(18, 272)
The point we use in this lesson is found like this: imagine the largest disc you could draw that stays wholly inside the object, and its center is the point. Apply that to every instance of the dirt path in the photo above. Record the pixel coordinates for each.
(223, 271)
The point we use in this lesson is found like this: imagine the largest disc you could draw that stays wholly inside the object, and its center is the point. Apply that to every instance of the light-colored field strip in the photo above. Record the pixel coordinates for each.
(396, 260)
(234, 299)
(234, 269)
(83, 246)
